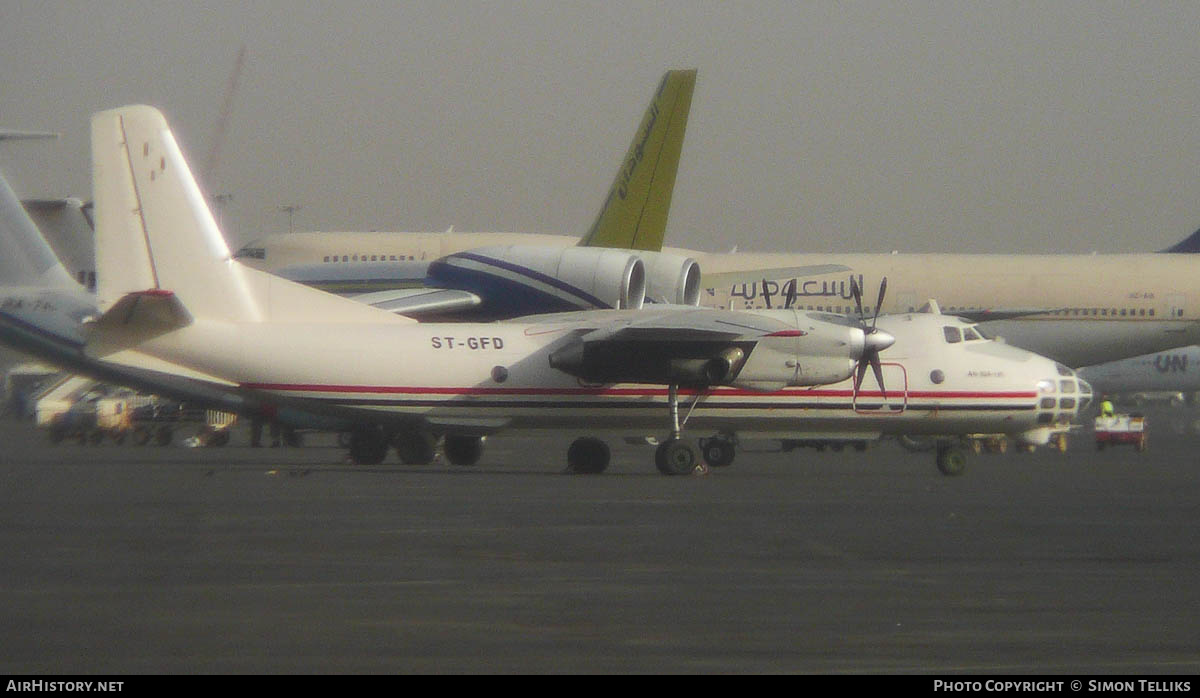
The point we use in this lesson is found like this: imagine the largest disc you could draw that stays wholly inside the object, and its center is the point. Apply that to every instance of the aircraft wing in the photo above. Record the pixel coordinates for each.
(986, 314)
(418, 302)
(8, 134)
(663, 322)
(685, 345)
(374, 283)
(357, 277)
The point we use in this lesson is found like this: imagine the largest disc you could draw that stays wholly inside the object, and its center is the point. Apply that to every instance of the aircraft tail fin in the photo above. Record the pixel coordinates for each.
(26, 259)
(634, 214)
(157, 240)
(1189, 245)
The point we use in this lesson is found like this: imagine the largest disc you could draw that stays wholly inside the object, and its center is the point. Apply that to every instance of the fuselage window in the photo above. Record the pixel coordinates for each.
(1152, 312)
(345, 258)
(953, 335)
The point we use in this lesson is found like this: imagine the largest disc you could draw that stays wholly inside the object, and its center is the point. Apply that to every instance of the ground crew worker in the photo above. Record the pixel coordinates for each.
(1106, 407)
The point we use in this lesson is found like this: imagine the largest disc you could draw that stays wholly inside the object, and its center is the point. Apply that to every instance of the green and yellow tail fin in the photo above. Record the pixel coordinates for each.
(634, 214)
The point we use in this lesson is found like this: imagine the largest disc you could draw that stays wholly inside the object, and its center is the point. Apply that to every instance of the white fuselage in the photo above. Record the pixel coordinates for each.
(483, 377)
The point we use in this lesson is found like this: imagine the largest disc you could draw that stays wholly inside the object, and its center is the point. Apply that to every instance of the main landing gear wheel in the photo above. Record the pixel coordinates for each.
(417, 448)
(951, 460)
(675, 457)
(368, 446)
(463, 450)
(717, 452)
(588, 456)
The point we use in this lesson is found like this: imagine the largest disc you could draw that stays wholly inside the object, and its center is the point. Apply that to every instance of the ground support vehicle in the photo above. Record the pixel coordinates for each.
(1121, 429)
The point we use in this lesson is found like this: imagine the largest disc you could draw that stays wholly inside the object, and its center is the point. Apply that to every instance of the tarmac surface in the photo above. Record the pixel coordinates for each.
(120, 559)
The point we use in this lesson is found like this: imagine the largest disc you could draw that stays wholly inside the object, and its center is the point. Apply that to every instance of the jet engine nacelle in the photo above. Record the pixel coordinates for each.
(671, 278)
(532, 278)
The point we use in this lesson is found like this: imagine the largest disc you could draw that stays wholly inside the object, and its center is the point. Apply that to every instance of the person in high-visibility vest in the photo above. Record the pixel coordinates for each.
(1106, 407)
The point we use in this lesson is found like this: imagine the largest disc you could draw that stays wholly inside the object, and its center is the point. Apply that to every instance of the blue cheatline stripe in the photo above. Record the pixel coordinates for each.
(530, 273)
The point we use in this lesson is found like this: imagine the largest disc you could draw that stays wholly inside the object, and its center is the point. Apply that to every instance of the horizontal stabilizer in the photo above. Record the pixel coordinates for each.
(135, 318)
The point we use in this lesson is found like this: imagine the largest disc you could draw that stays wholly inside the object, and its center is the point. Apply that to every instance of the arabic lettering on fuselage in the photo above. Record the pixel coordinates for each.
(797, 288)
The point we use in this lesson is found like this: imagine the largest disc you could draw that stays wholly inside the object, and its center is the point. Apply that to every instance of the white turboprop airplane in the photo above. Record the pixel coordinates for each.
(169, 288)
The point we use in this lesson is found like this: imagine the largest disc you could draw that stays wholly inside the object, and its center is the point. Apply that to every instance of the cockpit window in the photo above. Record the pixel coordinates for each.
(983, 333)
(1063, 370)
(953, 335)
(970, 334)
(1067, 386)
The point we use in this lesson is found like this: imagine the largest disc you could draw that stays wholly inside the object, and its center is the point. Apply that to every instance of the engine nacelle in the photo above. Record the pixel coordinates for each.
(526, 279)
(815, 353)
(671, 278)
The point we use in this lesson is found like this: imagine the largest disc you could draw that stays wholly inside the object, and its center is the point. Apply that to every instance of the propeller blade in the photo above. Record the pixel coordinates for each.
(878, 369)
(858, 378)
(879, 302)
(856, 292)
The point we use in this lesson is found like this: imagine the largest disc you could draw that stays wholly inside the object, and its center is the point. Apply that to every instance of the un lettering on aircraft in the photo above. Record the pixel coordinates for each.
(1172, 363)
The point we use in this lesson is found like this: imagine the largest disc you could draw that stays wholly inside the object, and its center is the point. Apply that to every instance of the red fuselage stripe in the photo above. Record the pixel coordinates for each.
(624, 392)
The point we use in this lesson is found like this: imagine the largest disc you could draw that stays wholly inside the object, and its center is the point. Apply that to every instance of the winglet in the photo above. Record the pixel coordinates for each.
(634, 214)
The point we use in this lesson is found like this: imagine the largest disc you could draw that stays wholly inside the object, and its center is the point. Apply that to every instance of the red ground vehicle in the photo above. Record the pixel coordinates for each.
(1121, 429)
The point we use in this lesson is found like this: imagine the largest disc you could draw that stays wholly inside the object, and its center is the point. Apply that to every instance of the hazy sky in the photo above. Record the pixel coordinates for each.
(815, 126)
